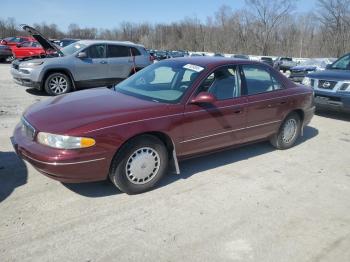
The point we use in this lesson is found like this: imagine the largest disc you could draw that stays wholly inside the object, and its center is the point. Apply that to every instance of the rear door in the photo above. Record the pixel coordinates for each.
(120, 62)
(267, 101)
(92, 71)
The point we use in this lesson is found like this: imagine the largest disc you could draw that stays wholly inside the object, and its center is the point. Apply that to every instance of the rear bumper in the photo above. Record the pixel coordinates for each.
(70, 166)
(339, 101)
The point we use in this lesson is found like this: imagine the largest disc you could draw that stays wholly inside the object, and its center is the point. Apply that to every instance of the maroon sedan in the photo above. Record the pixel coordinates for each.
(169, 111)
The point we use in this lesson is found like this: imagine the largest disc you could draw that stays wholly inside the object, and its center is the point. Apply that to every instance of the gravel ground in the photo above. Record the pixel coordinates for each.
(249, 204)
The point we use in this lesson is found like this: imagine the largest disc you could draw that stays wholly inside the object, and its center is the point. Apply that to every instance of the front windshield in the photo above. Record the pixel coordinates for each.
(342, 64)
(164, 82)
(72, 48)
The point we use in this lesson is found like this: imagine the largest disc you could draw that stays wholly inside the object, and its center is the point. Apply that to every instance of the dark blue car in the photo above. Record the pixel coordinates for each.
(332, 86)
(297, 73)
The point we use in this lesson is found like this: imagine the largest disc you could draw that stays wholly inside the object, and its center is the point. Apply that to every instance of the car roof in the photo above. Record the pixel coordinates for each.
(91, 42)
(212, 61)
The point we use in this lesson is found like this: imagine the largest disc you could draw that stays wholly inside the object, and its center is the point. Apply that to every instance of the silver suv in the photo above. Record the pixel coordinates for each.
(83, 64)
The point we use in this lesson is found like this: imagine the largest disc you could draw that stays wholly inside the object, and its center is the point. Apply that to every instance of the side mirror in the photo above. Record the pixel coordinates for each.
(329, 66)
(82, 55)
(204, 98)
(18, 45)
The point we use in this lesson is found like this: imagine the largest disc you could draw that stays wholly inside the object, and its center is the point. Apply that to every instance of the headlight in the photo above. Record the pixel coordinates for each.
(64, 142)
(31, 64)
(306, 81)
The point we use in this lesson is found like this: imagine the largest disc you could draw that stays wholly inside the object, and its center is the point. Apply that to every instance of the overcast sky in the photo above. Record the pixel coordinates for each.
(109, 13)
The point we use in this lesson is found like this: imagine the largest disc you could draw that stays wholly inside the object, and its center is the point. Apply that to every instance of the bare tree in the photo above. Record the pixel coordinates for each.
(268, 15)
(335, 24)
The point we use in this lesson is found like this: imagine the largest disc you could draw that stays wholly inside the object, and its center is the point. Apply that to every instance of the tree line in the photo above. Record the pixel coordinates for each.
(262, 27)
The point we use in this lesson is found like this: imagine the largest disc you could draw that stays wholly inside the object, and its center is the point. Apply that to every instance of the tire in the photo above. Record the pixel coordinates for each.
(128, 166)
(57, 84)
(288, 133)
(11, 58)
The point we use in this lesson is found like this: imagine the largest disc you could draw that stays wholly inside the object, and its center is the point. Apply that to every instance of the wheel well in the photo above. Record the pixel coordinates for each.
(300, 114)
(60, 70)
(160, 135)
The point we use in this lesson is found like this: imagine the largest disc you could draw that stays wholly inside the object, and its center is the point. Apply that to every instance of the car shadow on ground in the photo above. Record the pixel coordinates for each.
(13, 174)
(196, 165)
(94, 189)
(190, 167)
(334, 115)
(36, 92)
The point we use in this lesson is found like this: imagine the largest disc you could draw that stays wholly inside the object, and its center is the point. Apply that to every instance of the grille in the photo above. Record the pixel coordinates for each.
(27, 129)
(324, 84)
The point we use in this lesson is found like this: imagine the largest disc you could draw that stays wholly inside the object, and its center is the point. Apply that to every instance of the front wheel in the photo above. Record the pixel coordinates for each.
(288, 132)
(57, 84)
(139, 165)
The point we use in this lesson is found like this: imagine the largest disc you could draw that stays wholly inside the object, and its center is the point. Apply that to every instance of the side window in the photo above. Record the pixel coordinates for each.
(118, 51)
(96, 51)
(223, 83)
(135, 51)
(26, 44)
(258, 80)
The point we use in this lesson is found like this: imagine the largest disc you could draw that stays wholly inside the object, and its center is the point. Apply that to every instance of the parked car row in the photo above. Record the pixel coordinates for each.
(93, 63)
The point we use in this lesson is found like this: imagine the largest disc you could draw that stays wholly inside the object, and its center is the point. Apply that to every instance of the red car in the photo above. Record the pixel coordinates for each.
(169, 111)
(13, 41)
(27, 49)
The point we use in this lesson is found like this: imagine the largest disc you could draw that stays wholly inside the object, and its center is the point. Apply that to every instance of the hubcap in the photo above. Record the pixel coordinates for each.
(142, 166)
(58, 85)
(289, 130)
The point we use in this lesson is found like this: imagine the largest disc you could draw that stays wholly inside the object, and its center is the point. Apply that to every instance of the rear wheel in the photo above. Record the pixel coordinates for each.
(57, 84)
(139, 165)
(288, 132)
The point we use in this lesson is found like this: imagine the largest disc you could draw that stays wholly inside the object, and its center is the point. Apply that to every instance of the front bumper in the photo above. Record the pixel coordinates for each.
(339, 101)
(24, 79)
(70, 166)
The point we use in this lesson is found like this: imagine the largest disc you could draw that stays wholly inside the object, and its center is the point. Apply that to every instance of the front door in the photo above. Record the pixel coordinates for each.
(213, 126)
(92, 71)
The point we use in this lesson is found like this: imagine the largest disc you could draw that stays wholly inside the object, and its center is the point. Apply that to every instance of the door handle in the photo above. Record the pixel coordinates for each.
(103, 62)
(282, 103)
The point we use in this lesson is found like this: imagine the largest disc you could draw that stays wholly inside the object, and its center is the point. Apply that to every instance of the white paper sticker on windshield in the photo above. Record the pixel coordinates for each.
(193, 67)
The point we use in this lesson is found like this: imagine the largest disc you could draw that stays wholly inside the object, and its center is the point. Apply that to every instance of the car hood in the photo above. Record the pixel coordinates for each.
(336, 75)
(304, 68)
(45, 43)
(81, 112)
